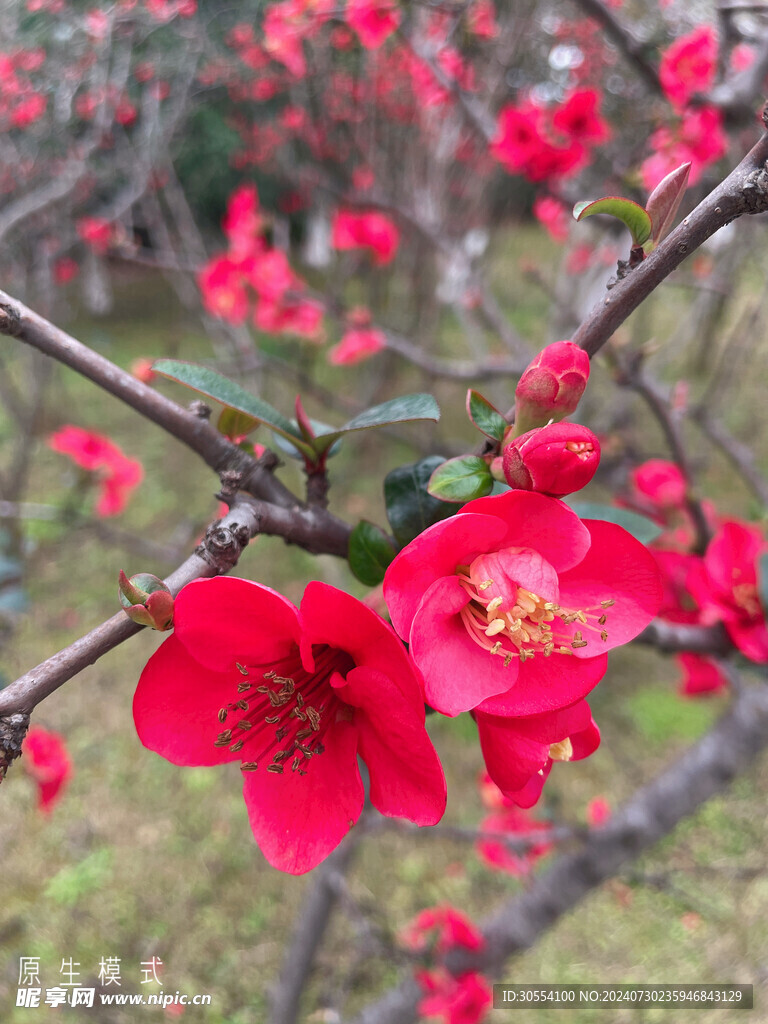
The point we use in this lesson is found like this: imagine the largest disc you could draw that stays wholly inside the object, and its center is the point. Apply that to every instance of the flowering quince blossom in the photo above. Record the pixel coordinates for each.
(46, 759)
(579, 117)
(506, 818)
(724, 584)
(552, 216)
(688, 66)
(555, 460)
(356, 345)
(118, 475)
(455, 999)
(661, 483)
(295, 696)
(598, 812)
(522, 146)
(510, 606)
(373, 20)
(373, 231)
(519, 752)
(699, 676)
(440, 929)
(551, 385)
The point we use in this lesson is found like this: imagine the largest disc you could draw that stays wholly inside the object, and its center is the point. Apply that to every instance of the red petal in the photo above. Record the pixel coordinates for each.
(297, 820)
(227, 620)
(458, 674)
(547, 684)
(176, 707)
(407, 778)
(433, 555)
(536, 521)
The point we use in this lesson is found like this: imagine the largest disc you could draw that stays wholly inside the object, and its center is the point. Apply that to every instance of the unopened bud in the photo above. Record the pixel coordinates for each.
(551, 386)
(146, 600)
(553, 460)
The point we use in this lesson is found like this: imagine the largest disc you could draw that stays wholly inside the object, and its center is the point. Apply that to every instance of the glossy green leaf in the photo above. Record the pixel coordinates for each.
(627, 211)
(486, 417)
(221, 389)
(642, 528)
(461, 479)
(410, 507)
(397, 410)
(370, 552)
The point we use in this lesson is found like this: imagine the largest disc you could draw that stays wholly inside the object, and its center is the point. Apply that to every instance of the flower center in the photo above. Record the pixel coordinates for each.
(282, 712)
(583, 450)
(509, 620)
(745, 595)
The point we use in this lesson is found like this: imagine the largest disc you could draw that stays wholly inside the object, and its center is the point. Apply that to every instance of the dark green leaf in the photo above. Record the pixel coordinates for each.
(486, 417)
(642, 528)
(461, 479)
(627, 211)
(397, 410)
(370, 552)
(410, 508)
(221, 389)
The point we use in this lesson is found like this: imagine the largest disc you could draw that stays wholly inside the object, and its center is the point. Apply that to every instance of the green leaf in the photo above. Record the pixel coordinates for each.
(642, 528)
(461, 479)
(221, 389)
(486, 417)
(397, 410)
(762, 580)
(410, 508)
(370, 552)
(233, 423)
(627, 211)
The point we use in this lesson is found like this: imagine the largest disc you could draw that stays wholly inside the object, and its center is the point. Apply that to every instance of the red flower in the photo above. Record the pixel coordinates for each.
(688, 66)
(47, 761)
(465, 999)
(300, 694)
(373, 20)
(519, 752)
(553, 216)
(661, 483)
(555, 460)
(511, 604)
(725, 586)
(508, 819)
(96, 232)
(579, 119)
(523, 148)
(357, 345)
(118, 475)
(372, 231)
(699, 676)
(440, 929)
(598, 812)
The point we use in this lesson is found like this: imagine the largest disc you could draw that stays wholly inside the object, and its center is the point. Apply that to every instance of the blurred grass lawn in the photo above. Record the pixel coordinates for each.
(141, 858)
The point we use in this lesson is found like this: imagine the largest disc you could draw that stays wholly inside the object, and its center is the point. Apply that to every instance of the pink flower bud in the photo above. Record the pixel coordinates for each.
(551, 386)
(146, 600)
(553, 460)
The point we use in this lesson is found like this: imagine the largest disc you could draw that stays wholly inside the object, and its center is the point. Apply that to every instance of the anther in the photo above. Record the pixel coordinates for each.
(223, 738)
(272, 719)
(223, 715)
(485, 584)
(242, 724)
(496, 647)
(237, 746)
(249, 766)
(314, 718)
(507, 659)
(242, 704)
(496, 626)
(601, 620)
(276, 769)
(242, 687)
(494, 604)
(241, 669)
(607, 604)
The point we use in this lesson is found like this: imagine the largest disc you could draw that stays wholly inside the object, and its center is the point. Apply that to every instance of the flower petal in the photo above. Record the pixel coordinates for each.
(297, 820)
(407, 778)
(176, 707)
(539, 522)
(432, 555)
(224, 620)
(458, 674)
(547, 684)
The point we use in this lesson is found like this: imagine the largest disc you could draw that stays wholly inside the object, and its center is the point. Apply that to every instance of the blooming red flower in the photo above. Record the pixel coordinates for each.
(699, 675)
(725, 586)
(296, 696)
(522, 146)
(373, 20)
(357, 345)
(507, 818)
(661, 483)
(46, 759)
(372, 231)
(440, 929)
(553, 216)
(510, 605)
(551, 385)
(688, 66)
(519, 753)
(578, 117)
(556, 460)
(454, 999)
(118, 475)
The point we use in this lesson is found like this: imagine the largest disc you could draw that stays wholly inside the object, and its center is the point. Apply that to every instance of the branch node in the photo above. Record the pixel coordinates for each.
(200, 409)
(10, 320)
(13, 729)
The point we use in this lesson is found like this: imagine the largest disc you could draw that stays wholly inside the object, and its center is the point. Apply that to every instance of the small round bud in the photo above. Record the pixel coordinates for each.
(551, 386)
(554, 460)
(146, 600)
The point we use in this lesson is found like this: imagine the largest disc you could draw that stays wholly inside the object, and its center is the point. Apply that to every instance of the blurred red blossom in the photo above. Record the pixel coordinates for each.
(46, 759)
